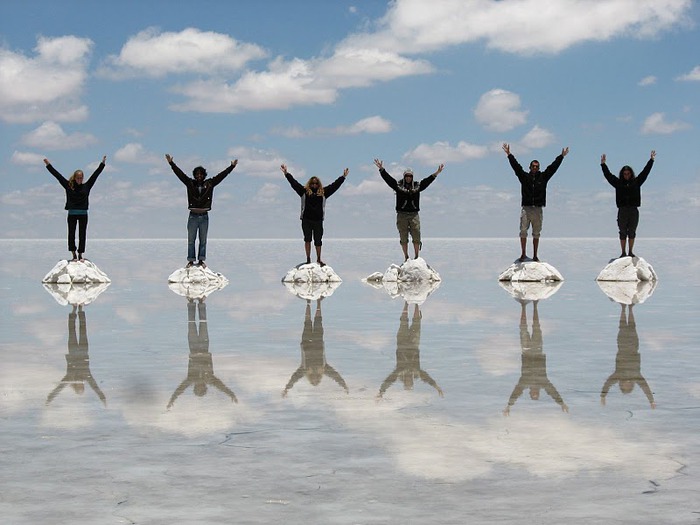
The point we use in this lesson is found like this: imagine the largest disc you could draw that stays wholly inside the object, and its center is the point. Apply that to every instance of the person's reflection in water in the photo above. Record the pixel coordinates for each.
(533, 374)
(628, 362)
(313, 355)
(200, 369)
(408, 355)
(77, 359)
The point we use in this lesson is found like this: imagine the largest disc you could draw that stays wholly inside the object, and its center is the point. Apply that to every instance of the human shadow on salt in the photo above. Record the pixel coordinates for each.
(628, 361)
(311, 281)
(78, 372)
(313, 353)
(530, 271)
(196, 282)
(533, 369)
(414, 280)
(200, 366)
(408, 367)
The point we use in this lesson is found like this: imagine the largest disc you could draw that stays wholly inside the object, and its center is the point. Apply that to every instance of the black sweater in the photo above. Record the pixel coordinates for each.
(533, 187)
(628, 192)
(313, 206)
(199, 194)
(77, 196)
(407, 197)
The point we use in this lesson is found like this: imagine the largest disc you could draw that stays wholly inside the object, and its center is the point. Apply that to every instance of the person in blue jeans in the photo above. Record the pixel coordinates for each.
(200, 191)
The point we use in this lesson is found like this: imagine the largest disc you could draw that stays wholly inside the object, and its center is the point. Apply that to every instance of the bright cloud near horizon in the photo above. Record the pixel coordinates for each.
(321, 86)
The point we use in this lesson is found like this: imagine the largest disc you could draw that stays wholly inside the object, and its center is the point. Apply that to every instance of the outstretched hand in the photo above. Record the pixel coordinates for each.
(379, 164)
(653, 154)
(345, 172)
(283, 167)
(440, 168)
(506, 148)
(565, 151)
(46, 161)
(602, 158)
(234, 163)
(104, 159)
(168, 157)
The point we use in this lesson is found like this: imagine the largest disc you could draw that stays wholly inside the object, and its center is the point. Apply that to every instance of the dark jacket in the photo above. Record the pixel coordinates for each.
(199, 194)
(533, 187)
(407, 197)
(628, 192)
(313, 206)
(76, 197)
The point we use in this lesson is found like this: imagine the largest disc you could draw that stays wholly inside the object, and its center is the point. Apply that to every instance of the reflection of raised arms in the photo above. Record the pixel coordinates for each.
(200, 369)
(313, 356)
(77, 360)
(533, 374)
(408, 355)
(628, 362)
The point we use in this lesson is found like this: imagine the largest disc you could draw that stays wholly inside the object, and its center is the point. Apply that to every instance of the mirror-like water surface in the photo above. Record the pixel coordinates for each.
(256, 406)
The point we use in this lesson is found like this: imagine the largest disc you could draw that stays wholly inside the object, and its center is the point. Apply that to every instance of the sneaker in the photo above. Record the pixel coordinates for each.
(202, 264)
(189, 264)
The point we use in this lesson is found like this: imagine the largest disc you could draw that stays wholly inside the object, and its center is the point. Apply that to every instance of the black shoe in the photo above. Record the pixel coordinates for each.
(632, 255)
(623, 254)
(202, 265)
(536, 259)
(189, 264)
(522, 258)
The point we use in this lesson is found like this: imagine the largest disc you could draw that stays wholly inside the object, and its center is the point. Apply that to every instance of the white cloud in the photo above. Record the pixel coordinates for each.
(370, 125)
(135, 153)
(518, 26)
(537, 138)
(656, 124)
(442, 152)
(154, 54)
(262, 163)
(499, 110)
(692, 76)
(647, 81)
(26, 95)
(365, 187)
(27, 159)
(51, 136)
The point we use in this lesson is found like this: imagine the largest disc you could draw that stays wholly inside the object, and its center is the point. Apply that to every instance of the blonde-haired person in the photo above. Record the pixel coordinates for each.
(313, 207)
(77, 193)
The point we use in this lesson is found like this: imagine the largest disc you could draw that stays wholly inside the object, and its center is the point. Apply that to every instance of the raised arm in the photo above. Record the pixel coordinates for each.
(180, 174)
(60, 178)
(96, 173)
(647, 169)
(336, 184)
(385, 176)
(221, 176)
(606, 172)
(295, 184)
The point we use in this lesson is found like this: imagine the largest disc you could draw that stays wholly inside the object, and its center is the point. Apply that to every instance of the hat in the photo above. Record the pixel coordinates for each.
(408, 171)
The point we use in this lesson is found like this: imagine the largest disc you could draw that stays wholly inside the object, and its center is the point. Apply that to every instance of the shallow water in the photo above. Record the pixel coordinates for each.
(469, 409)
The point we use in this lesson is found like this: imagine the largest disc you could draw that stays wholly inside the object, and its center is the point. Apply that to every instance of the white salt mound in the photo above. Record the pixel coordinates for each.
(530, 271)
(73, 272)
(531, 291)
(75, 294)
(627, 269)
(311, 273)
(628, 292)
(196, 282)
(414, 280)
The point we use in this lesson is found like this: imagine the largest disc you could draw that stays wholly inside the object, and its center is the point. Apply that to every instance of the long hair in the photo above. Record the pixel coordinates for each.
(71, 181)
(308, 189)
(622, 170)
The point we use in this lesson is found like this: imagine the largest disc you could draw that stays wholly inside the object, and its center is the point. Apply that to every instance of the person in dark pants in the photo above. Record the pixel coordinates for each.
(77, 193)
(628, 198)
(200, 191)
(533, 197)
(313, 208)
(407, 204)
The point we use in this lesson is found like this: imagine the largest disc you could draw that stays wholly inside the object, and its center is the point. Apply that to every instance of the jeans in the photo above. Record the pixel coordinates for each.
(197, 222)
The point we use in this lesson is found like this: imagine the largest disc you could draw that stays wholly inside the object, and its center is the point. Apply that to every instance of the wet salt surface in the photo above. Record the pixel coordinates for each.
(379, 418)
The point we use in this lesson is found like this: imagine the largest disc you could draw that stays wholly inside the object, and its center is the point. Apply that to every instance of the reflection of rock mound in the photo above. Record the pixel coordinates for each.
(530, 271)
(627, 269)
(414, 280)
(311, 273)
(312, 290)
(75, 294)
(67, 272)
(531, 291)
(196, 282)
(628, 292)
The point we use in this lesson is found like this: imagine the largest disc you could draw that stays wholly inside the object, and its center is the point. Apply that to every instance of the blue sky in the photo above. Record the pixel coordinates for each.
(322, 85)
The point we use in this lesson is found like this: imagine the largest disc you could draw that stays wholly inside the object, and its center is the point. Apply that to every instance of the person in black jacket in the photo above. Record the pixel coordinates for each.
(533, 193)
(200, 191)
(313, 208)
(628, 197)
(407, 204)
(77, 194)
